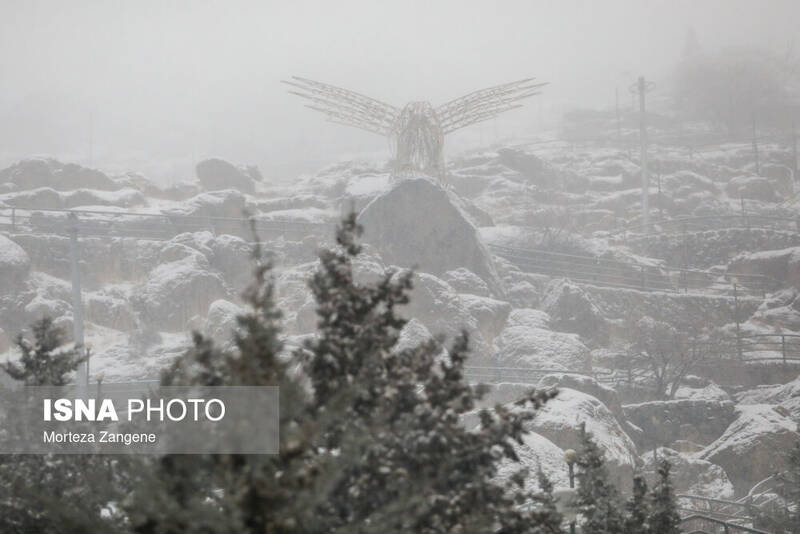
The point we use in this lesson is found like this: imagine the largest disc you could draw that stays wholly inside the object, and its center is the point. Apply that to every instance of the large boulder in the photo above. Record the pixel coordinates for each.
(751, 448)
(465, 281)
(109, 309)
(560, 421)
(588, 385)
(537, 453)
(230, 255)
(526, 341)
(694, 420)
(45, 198)
(14, 265)
(443, 311)
(770, 394)
(221, 322)
(216, 174)
(124, 198)
(779, 312)
(417, 224)
(35, 173)
(571, 309)
(782, 265)
(228, 203)
(176, 291)
(753, 188)
(689, 475)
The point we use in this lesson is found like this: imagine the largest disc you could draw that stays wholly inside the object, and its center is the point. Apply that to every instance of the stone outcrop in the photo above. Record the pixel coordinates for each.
(752, 447)
(415, 224)
(14, 265)
(690, 475)
(697, 421)
(216, 174)
(560, 420)
(34, 173)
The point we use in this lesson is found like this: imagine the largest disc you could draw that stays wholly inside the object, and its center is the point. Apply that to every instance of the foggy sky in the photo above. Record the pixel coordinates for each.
(156, 85)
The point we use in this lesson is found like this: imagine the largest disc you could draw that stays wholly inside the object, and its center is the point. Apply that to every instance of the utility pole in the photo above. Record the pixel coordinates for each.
(736, 319)
(616, 108)
(641, 88)
(795, 162)
(77, 299)
(660, 212)
(755, 147)
(91, 139)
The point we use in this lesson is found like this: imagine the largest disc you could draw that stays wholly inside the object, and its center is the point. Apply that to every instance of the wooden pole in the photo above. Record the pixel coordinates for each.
(795, 162)
(642, 89)
(77, 299)
(755, 147)
(616, 108)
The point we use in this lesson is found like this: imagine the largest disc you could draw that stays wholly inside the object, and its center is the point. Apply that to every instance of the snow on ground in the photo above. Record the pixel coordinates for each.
(142, 296)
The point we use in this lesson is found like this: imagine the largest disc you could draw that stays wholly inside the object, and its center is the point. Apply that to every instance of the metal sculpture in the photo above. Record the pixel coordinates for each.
(416, 132)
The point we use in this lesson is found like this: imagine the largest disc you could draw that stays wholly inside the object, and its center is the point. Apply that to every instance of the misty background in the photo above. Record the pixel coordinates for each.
(156, 86)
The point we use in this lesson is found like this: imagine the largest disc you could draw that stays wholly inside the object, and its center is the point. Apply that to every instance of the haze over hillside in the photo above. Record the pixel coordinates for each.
(157, 86)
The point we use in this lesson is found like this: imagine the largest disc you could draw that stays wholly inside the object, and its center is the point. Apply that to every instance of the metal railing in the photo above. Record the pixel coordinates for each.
(612, 273)
(525, 375)
(787, 346)
(155, 226)
(684, 225)
(726, 526)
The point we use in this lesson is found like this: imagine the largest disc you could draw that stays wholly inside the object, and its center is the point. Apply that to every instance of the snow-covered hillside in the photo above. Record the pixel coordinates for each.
(490, 249)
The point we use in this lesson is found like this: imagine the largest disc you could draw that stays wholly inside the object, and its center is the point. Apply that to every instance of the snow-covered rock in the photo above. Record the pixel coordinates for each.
(5, 340)
(215, 174)
(690, 475)
(560, 420)
(537, 453)
(223, 203)
(774, 394)
(489, 314)
(572, 310)
(125, 198)
(443, 311)
(221, 320)
(697, 421)
(750, 448)
(704, 390)
(526, 342)
(15, 264)
(45, 198)
(412, 335)
(588, 385)
(465, 281)
(33, 173)
(782, 265)
(41, 306)
(110, 309)
(752, 187)
(176, 291)
(416, 224)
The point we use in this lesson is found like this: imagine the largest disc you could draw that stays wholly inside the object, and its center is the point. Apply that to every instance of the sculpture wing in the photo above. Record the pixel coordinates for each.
(486, 103)
(344, 106)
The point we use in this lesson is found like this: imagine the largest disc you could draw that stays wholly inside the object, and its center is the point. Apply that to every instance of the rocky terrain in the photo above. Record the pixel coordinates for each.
(704, 374)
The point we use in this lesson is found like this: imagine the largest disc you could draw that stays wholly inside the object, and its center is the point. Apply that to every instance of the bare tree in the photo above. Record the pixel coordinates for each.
(668, 353)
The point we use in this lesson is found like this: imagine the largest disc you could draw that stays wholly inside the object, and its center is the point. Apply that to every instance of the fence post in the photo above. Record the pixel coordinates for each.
(77, 297)
(736, 319)
(755, 147)
(744, 215)
(783, 348)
